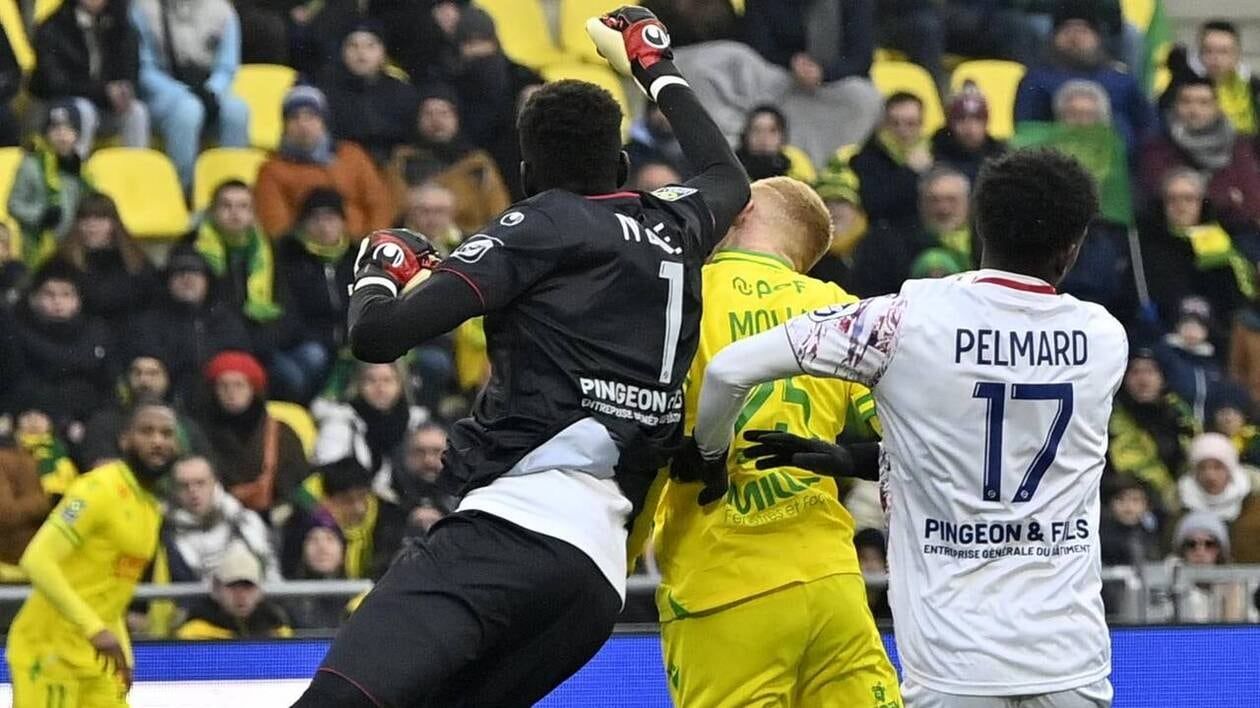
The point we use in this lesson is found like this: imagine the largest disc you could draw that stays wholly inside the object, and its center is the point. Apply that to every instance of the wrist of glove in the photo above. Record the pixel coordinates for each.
(773, 448)
(637, 45)
(690, 466)
(393, 259)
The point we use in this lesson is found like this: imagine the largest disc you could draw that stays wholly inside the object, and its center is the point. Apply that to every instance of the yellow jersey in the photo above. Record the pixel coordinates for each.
(775, 527)
(85, 562)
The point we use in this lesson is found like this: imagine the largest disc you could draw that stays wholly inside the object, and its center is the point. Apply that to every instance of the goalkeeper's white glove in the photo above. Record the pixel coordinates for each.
(636, 44)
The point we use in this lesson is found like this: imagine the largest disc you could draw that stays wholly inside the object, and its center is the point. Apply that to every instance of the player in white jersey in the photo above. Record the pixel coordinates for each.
(994, 391)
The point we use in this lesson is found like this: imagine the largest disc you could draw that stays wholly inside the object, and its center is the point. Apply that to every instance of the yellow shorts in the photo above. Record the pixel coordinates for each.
(45, 684)
(811, 644)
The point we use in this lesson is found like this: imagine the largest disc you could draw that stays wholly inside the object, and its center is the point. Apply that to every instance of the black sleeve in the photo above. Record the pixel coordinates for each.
(383, 328)
(718, 174)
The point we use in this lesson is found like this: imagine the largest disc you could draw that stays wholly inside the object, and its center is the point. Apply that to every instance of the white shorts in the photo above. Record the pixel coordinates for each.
(1095, 695)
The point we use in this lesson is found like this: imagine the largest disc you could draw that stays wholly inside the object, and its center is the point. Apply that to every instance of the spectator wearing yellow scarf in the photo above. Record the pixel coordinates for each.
(238, 252)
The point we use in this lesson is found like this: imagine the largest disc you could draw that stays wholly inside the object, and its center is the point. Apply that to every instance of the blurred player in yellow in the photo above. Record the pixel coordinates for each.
(761, 601)
(68, 646)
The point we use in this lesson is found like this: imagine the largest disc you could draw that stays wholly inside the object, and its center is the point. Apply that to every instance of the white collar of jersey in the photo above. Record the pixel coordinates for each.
(1015, 281)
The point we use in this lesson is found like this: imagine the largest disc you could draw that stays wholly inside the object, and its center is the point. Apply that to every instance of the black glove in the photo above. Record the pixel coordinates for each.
(393, 258)
(51, 216)
(636, 44)
(778, 449)
(689, 466)
(210, 103)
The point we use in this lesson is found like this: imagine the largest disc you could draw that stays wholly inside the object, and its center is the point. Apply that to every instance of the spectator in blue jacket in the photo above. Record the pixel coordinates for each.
(186, 78)
(1076, 52)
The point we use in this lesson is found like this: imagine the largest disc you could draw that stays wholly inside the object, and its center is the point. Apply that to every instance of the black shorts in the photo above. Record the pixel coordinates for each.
(480, 613)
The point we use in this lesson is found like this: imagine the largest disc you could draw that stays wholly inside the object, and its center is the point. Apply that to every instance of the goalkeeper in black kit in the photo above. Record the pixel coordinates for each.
(591, 299)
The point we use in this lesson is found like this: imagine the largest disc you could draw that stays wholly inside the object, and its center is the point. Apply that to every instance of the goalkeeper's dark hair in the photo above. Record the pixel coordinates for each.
(571, 137)
(1033, 204)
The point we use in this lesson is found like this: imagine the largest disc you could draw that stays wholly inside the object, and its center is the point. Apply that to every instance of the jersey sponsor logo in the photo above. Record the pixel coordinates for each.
(773, 496)
(673, 193)
(512, 218)
(130, 567)
(73, 510)
(992, 539)
(631, 402)
(476, 246)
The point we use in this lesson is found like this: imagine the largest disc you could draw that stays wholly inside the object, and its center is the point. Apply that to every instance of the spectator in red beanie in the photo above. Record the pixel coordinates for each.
(261, 460)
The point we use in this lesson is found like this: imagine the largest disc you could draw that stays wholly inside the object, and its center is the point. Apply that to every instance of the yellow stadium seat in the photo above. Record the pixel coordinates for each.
(997, 80)
(602, 76)
(893, 76)
(144, 185)
(263, 86)
(573, 16)
(297, 418)
(523, 31)
(9, 159)
(1138, 12)
(15, 30)
(44, 8)
(217, 165)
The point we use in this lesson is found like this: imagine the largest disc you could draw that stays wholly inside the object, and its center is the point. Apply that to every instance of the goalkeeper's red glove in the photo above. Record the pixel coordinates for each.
(393, 258)
(636, 44)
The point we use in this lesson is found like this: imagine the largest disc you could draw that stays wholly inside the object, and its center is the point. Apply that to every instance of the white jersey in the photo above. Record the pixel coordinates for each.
(994, 394)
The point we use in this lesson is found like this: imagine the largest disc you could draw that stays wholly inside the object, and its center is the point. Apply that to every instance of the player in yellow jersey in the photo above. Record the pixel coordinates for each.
(762, 602)
(68, 646)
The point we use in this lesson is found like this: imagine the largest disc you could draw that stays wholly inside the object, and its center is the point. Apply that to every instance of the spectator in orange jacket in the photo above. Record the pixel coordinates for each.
(308, 158)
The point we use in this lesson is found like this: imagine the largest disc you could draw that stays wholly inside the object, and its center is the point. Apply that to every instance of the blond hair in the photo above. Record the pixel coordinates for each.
(795, 210)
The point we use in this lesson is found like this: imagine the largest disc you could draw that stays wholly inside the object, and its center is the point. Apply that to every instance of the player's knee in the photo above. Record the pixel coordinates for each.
(328, 690)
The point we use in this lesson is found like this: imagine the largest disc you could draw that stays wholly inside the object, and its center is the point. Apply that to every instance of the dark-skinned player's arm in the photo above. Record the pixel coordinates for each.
(637, 45)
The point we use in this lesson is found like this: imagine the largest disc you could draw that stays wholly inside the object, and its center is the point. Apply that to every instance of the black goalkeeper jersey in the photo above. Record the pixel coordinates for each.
(592, 311)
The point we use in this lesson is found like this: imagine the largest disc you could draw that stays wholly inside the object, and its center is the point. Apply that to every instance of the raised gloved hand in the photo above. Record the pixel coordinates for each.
(774, 448)
(393, 258)
(636, 44)
(690, 466)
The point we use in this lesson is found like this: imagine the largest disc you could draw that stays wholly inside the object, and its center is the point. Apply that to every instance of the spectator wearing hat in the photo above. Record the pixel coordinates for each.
(1229, 412)
(203, 521)
(237, 607)
(440, 153)
(891, 163)
(964, 143)
(837, 185)
(1217, 483)
(1150, 429)
(316, 268)
(1129, 533)
(884, 258)
(1188, 356)
(366, 105)
(309, 157)
(188, 324)
(373, 528)
(145, 380)
(1198, 135)
(491, 89)
(1076, 52)
(261, 461)
(1187, 251)
(1201, 539)
(117, 280)
(10, 84)
(67, 356)
(49, 184)
(764, 150)
(323, 558)
(88, 52)
(189, 53)
(1237, 86)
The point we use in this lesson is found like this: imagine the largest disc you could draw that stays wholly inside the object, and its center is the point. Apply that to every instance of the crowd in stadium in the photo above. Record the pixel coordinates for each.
(304, 464)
